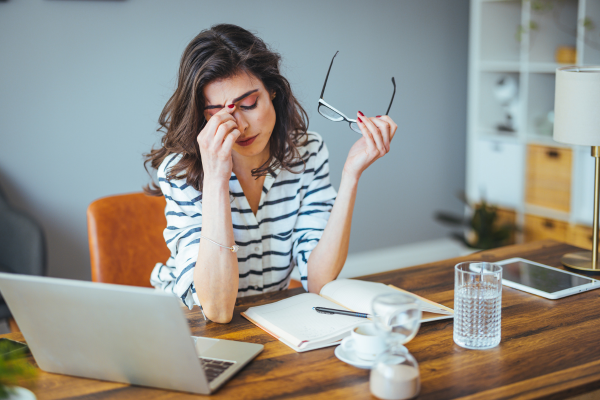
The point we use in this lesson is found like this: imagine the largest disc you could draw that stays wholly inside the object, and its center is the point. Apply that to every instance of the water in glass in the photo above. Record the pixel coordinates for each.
(477, 305)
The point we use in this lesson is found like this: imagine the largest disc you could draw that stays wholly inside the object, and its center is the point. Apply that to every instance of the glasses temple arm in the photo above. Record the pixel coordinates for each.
(393, 94)
(327, 77)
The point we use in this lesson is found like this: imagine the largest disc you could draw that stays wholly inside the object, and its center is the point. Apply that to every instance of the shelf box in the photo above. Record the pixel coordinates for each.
(499, 24)
(580, 236)
(549, 177)
(498, 178)
(540, 228)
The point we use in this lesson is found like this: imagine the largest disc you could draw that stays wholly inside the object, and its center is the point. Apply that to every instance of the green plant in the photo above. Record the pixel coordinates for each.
(14, 367)
(556, 7)
(588, 24)
(481, 228)
(533, 26)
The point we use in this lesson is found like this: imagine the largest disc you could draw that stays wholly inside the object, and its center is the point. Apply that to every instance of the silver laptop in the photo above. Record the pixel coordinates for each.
(118, 333)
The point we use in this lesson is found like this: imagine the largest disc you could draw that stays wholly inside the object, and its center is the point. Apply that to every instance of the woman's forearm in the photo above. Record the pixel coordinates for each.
(216, 274)
(328, 257)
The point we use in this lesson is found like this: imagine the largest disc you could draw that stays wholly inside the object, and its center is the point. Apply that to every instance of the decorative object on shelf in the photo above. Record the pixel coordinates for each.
(482, 228)
(566, 55)
(506, 92)
(577, 121)
(14, 368)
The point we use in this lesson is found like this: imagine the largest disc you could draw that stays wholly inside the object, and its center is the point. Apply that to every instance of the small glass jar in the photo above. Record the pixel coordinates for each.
(395, 375)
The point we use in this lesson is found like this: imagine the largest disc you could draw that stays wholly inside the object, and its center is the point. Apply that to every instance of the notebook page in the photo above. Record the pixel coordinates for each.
(358, 295)
(294, 319)
(353, 294)
(428, 305)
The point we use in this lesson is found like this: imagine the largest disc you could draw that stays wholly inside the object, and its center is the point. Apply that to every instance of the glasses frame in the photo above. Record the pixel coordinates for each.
(352, 122)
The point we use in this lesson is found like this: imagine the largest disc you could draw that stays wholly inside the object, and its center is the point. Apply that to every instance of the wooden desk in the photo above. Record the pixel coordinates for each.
(549, 348)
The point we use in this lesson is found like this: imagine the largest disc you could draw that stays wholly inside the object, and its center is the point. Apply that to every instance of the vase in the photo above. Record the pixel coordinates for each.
(20, 393)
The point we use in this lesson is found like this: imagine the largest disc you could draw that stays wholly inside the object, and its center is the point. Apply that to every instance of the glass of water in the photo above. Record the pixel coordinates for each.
(477, 304)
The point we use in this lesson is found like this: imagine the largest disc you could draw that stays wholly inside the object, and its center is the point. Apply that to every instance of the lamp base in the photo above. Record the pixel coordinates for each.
(581, 260)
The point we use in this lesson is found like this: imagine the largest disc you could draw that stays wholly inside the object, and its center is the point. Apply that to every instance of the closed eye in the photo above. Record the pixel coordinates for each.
(249, 103)
(251, 107)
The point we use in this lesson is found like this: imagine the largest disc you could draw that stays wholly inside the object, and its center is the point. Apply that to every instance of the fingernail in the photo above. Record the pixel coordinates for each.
(231, 106)
(360, 120)
(361, 114)
(378, 116)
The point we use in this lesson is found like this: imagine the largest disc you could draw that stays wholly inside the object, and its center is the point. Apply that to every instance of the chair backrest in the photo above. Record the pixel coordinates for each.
(22, 247)
(22, 242)
(126, 238)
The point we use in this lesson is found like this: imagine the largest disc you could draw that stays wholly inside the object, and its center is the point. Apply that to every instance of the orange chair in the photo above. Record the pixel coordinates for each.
(126, 238)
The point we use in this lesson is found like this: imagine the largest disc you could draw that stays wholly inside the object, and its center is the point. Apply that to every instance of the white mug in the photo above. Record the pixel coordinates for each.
(364, 341)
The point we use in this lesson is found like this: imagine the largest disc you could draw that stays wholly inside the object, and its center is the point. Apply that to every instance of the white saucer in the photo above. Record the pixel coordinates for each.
(352, 359)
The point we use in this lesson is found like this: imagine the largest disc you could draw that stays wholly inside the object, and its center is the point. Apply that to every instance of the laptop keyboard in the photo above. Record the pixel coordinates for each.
(214, 368)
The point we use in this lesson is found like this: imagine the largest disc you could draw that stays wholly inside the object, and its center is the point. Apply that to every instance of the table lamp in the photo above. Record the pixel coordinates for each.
(577, 121)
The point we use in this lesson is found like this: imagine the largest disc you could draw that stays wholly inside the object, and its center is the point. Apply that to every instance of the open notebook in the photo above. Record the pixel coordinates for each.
(294, 322)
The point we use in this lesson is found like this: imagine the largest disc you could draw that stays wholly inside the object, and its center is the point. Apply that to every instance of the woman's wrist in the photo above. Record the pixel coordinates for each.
(351, 177)
(215, 184)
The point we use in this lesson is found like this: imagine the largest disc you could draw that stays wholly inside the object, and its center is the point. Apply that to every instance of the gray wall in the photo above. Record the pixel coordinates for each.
(82, 84)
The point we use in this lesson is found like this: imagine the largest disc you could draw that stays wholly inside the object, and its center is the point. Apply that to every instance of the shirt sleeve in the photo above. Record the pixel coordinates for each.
(315, 208)
(182, 236)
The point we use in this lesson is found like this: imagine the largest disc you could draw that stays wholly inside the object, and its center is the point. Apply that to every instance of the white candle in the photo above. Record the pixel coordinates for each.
(394, 382)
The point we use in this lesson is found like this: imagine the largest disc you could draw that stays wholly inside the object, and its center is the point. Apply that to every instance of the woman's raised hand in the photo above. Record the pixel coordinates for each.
(378, 133)
(216, 141)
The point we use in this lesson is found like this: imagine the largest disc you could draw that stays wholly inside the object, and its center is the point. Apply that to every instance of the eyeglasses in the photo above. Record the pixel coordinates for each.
(332, 114)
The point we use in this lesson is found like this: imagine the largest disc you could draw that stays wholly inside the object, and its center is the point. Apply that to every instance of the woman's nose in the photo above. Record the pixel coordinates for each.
(241, 121)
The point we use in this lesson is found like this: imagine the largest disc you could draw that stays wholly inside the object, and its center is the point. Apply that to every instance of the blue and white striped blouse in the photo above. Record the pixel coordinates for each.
(291, 217)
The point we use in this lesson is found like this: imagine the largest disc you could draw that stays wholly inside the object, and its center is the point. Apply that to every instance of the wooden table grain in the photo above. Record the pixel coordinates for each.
(549, 348)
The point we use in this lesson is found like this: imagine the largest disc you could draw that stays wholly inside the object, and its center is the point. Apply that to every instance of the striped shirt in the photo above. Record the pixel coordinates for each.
(291, 217)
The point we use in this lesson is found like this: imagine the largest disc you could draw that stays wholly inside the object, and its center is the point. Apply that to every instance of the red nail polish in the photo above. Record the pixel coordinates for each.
(359, 120)
(378, 116)
(361, 114)
(231, 106)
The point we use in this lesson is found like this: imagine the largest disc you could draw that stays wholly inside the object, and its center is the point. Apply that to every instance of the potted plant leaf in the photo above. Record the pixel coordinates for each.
(14, 369)
(481, 228)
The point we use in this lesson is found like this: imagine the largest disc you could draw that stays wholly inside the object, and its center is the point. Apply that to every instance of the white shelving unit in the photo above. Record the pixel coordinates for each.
(497, 161)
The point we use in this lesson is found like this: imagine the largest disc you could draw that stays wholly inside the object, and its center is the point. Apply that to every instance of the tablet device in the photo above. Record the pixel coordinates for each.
(543, 280)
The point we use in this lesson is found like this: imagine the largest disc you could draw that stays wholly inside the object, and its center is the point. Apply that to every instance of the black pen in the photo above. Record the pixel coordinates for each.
(323, 310)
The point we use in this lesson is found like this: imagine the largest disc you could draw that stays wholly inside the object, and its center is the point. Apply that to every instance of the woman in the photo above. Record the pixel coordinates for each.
(237, 167)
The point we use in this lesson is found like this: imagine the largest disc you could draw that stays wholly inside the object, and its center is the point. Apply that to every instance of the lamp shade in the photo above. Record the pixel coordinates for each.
(577, 106)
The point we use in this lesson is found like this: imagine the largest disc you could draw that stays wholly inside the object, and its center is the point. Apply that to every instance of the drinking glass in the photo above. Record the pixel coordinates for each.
(477, 304)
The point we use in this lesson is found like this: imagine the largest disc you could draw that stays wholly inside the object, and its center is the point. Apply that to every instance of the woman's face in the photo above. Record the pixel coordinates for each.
(254, 112)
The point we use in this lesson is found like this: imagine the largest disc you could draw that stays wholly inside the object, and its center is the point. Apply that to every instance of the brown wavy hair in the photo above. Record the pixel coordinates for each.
(218, 53)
